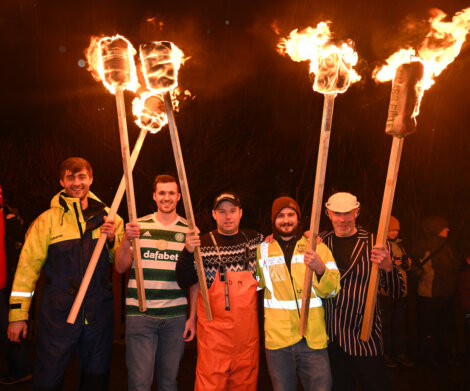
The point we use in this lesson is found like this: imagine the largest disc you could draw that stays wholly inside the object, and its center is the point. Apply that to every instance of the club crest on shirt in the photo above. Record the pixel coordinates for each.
(161, 244)
(179, 237)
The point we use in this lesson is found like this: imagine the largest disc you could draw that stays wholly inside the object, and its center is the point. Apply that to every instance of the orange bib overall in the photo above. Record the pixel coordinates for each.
(227, 346)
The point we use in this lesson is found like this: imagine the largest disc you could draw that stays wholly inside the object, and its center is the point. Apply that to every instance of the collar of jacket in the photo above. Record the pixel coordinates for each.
(65, 203)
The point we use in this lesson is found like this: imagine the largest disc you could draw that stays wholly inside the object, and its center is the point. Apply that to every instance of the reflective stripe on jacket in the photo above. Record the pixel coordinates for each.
(283, 294)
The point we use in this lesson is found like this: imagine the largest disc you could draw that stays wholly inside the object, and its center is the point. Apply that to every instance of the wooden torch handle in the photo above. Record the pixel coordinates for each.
(187, 200)
(387, 203)
(322, 159)
(121, 109)
(102, 239)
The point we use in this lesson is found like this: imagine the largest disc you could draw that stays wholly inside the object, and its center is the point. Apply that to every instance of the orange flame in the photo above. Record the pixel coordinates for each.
(332, 65)
(111, 60)
(149, 110)
(440, 47)
(179, 96)
(160, 64)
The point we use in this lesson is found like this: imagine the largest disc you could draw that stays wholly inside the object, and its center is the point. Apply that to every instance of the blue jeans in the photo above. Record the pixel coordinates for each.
(311, 365)
(153, 342)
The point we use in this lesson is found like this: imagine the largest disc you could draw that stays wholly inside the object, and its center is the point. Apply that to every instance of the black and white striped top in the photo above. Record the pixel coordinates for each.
(344, 312)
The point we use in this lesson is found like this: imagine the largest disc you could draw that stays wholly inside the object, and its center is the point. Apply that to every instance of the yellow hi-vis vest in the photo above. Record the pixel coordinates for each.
(283, 294)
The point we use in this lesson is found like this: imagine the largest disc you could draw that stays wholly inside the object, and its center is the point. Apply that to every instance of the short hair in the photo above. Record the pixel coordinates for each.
(74, 165)
(164, 178)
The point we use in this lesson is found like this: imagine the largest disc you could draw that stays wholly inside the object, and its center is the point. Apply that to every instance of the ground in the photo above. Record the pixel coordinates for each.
(447, 377)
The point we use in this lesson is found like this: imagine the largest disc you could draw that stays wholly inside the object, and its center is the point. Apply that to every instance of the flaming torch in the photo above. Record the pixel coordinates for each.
(412, 73)
(112, 60)
(332, 67)
(160, 65)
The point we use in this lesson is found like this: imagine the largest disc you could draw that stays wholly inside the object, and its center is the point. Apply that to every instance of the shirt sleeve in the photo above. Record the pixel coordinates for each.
(329, 283)
(186, 274)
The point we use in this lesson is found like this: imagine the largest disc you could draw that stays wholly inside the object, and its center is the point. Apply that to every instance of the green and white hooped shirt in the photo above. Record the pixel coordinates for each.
(160, 248)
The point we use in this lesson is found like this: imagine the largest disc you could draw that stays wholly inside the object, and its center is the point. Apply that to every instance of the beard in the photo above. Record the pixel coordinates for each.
(294, 230)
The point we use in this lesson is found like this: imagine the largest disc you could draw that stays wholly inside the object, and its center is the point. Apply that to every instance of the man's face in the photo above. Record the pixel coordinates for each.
(344, 224)
(286, 222)
(76, 185)
(166, 196)
(227, 216)
(392, 234)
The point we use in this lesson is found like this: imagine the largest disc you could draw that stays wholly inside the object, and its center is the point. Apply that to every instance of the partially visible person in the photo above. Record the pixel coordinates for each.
(281, 271)
(354, 251)
(437, 269)
(155, 338)
(464, 297)
(228, 346)
(11, 239)
(61, 240)
(395, 310)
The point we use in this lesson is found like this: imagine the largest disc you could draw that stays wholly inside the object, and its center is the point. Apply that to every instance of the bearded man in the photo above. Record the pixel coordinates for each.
(281, 267)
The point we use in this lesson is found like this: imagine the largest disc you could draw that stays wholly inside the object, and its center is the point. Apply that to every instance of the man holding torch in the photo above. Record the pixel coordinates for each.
(281, 267)
(354, 253)
(228, 345)
(62, 240)
(159, 333)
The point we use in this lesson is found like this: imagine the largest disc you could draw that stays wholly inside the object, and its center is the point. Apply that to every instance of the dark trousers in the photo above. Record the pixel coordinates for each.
(54, 352)
(369, 372)
(16, 353)
(395, 325)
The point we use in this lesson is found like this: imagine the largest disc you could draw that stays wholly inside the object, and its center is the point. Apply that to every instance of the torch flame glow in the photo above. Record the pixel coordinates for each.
(332, 65)
(160, 64)
(111, 60)
(440, 47)
(149, 110)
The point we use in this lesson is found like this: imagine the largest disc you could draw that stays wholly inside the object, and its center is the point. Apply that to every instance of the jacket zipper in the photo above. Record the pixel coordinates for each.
(293, 290)
(81, 253)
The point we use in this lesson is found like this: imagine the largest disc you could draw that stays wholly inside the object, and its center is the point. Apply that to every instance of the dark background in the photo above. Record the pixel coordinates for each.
(253, 123)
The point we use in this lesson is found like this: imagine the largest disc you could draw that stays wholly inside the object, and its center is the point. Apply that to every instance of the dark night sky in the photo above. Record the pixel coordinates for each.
(253, 123)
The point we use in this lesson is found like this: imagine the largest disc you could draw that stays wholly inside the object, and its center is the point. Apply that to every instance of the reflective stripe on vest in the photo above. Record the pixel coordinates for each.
(331, 266)
(22, 294)
(273, 302)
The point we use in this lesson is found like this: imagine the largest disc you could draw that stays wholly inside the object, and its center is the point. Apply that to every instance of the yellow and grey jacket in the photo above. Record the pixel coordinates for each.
(62, 241)
(283, 294)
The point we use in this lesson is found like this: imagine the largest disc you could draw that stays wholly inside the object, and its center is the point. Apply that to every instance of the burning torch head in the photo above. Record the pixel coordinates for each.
(116, 60)
(334, 70)
(332, 65)
(160, 62)
(405, 99)
(150, 112)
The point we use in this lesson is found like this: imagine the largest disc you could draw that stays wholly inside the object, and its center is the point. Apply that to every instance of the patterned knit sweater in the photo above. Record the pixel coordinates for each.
(238, 253)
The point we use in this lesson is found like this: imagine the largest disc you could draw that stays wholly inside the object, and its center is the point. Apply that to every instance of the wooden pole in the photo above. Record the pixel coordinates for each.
(322, 159)
(121, 109)
(387, 203)
(102, 239)
(187, 200)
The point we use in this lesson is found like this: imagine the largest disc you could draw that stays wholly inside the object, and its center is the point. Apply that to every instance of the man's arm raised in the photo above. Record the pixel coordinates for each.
(123, 256)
